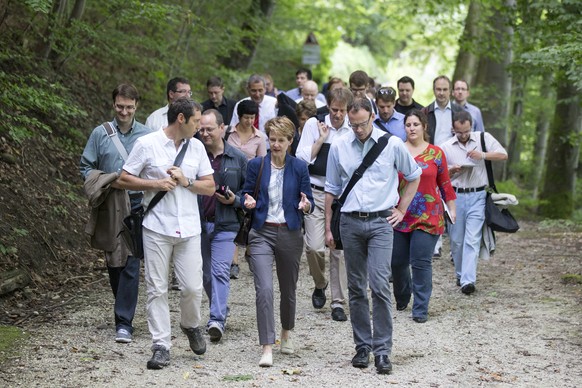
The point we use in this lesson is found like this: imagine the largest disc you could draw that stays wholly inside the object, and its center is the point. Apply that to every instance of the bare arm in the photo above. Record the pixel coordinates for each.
(328, 236)
(132, 182)
(405, 199)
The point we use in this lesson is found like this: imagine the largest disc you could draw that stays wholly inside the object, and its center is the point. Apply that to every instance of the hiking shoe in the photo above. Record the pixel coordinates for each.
(123, 336)
(160, 358)
(318, 297)
(197, 343)
(234, 271)
(215, 332)
(437, 254)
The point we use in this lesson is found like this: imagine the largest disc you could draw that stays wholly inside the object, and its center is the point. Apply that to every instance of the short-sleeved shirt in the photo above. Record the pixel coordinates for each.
(255, 146)
(377, 190)
(425, 212)
(158, 119)
(176, 215)
(475, 175)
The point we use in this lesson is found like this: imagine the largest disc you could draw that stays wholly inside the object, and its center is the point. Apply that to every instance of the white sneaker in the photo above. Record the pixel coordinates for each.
(266, 360)
(287, 346)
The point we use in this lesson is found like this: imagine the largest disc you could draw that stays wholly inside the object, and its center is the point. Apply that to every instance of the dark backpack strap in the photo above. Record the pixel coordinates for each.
(488, 165)
(177, 162)
(369, 159)
(381, 126)
(227, 132)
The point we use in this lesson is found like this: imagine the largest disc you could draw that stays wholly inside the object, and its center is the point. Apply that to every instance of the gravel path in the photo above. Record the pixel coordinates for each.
(521, 328)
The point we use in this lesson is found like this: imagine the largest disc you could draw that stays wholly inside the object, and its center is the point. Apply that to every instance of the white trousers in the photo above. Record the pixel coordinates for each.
(158, 251)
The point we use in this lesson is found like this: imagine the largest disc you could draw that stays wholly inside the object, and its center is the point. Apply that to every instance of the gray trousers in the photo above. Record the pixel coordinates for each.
(279, 245)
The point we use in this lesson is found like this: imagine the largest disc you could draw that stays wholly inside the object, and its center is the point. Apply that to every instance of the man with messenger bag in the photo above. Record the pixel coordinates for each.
(107, 148)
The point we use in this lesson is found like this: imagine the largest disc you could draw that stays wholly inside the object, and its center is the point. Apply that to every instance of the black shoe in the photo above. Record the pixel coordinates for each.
(160, 358)
(234, 271)
(468, 289)
(197, 342)
(318, 297)
(338, 314)
(383, 364)
(419, 319)
(361, 359)
(175, 286)
(401, 307)
(458, 282)
(437, 255)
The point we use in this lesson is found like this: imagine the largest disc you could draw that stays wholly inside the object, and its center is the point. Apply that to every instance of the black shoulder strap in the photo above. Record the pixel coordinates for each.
(381, 126)
(160, 194)
(488, 165)
(369, 159)
(227, 132)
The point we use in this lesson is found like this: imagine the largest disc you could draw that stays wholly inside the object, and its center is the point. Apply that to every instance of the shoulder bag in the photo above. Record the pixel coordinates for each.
(337, 204)
(132, 226)
(242, 237)
(499, 220)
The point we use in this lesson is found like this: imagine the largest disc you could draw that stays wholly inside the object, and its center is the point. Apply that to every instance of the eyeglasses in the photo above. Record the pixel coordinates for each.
(184, 91)
(360, 125)
(121, 108)
(207, 130)
(387, 91)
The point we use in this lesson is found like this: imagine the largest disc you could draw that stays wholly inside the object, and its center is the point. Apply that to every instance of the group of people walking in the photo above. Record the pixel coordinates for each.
(285, 160)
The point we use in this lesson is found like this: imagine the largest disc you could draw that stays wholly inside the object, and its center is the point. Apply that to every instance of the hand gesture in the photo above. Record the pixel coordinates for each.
(329, 241)
(323, 130)
(250, 202)
(304, 204)
(167, 184)
(176, 174)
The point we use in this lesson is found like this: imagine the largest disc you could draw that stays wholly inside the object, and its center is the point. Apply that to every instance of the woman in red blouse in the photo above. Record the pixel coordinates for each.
(423, 223)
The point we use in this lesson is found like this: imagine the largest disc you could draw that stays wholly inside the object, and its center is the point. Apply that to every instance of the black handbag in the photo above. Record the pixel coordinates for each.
(242, 237)
(499, 220)
(337, 204)
(132, 225)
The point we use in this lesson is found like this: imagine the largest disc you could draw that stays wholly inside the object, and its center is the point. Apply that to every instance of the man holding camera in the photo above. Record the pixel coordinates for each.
(220, 223)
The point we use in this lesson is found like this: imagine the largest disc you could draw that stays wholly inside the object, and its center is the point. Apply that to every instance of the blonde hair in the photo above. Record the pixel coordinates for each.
(280, 126)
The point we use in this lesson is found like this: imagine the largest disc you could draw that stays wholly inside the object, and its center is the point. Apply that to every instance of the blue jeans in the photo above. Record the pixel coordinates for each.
(466, 235)
(368, 251)
(413, 249)
(217, 251)
(124, 283)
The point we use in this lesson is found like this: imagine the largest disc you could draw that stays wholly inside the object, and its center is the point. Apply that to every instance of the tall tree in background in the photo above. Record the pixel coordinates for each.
(467, 58)
(493, 77)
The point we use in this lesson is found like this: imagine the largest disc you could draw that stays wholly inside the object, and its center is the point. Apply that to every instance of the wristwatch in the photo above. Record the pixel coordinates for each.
(190, 183)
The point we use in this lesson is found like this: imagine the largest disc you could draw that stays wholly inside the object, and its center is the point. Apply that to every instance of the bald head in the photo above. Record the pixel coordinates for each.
(309, 90)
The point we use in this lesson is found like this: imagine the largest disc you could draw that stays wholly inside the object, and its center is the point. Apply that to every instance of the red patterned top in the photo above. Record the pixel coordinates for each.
(425, 212)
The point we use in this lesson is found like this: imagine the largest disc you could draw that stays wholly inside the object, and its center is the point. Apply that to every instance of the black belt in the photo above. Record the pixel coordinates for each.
(317, 187)
(468, 189)
(383, 213)
(135, 195)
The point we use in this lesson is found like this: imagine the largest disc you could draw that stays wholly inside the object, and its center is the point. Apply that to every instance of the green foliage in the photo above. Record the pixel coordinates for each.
(33, 106)
(526, 209)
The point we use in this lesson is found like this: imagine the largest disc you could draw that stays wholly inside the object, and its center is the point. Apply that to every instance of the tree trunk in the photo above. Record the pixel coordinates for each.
(242, 59)
(467, 59)
(557, 195)
(541, 142)
(494, 81)
(514, 147)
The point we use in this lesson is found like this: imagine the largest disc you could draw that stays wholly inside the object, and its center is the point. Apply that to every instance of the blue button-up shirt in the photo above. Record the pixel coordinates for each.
(475, 113)
(394, 125)
(377, 190)
(101, 154)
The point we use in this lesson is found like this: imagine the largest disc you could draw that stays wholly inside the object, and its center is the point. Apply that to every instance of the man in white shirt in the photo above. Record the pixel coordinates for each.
(309, 93)
(176, 88)
(466, 163)
(267, 105)
(313, 148)
(171, 230)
